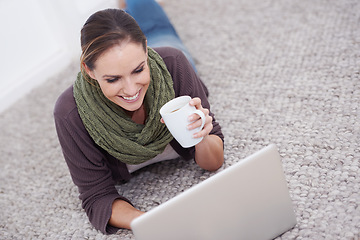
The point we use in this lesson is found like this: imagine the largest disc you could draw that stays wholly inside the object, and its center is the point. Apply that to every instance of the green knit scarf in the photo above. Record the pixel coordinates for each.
(113, 130)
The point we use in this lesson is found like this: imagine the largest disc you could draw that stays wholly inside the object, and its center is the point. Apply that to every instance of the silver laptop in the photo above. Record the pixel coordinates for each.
(249, 200)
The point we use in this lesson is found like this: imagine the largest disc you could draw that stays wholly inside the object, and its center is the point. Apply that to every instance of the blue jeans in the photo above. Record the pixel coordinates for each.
(156, 26)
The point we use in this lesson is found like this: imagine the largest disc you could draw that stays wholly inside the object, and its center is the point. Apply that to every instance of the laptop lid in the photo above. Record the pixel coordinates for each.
(249, 200)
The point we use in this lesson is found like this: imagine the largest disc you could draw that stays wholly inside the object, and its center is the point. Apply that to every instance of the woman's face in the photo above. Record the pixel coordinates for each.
(123, 74)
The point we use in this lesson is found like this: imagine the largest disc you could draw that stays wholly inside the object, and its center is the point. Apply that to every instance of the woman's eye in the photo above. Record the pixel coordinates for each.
(111, 80)
(139, 70)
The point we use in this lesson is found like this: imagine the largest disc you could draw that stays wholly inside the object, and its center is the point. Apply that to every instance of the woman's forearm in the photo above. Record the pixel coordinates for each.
(123, 213)
(209, 153)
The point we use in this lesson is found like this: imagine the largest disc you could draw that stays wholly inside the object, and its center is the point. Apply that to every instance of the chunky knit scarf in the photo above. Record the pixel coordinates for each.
(113, 130)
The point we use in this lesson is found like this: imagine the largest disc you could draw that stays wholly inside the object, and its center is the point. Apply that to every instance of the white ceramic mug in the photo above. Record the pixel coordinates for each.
(175, 114)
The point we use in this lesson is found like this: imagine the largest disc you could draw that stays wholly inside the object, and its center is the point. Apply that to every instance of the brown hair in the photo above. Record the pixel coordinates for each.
(103, 30)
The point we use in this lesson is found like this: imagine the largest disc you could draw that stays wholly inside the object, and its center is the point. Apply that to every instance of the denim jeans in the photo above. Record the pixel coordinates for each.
(156, 26)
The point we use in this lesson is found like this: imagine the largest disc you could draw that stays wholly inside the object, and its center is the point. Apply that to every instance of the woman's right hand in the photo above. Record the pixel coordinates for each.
(123, 213)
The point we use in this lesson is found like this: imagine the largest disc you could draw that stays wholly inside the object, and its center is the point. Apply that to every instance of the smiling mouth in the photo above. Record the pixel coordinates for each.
(133, 98)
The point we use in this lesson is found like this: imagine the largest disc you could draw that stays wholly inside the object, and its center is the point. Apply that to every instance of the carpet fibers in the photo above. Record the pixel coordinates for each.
(283, 72)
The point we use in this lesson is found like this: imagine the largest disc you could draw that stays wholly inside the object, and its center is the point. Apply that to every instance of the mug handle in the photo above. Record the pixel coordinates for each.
(202, 115)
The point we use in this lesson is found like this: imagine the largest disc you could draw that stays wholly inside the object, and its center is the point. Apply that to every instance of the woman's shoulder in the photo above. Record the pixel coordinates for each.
(186, 81)
(66, 114)
(65, 104)
(171, 55)
(168, 51)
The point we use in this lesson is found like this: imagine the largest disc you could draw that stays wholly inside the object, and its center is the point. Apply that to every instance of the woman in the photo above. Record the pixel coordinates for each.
(108, 122)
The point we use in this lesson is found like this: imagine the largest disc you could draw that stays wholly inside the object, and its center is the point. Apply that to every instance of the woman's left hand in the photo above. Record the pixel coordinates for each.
(209, 153)
(196, 120)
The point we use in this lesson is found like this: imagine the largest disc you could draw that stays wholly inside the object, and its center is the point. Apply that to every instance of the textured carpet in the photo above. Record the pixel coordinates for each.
(283, 72)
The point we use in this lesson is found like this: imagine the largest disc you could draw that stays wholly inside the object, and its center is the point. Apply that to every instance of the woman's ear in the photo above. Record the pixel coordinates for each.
(88, 71)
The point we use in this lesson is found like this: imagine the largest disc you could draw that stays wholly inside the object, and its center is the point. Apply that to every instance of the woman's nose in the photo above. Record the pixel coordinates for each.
(129, 87)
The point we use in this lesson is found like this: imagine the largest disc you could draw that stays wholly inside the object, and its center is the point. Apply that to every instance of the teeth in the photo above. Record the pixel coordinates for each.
(131, 98)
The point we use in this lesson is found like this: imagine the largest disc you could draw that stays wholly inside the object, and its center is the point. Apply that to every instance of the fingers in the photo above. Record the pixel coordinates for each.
(206, 129)
(195, 102)
(196, 120)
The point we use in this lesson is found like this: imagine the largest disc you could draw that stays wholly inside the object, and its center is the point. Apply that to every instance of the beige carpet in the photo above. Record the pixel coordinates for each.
(279, 71)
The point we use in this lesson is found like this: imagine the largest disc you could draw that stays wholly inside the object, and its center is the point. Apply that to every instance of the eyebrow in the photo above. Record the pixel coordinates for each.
(119, 76)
